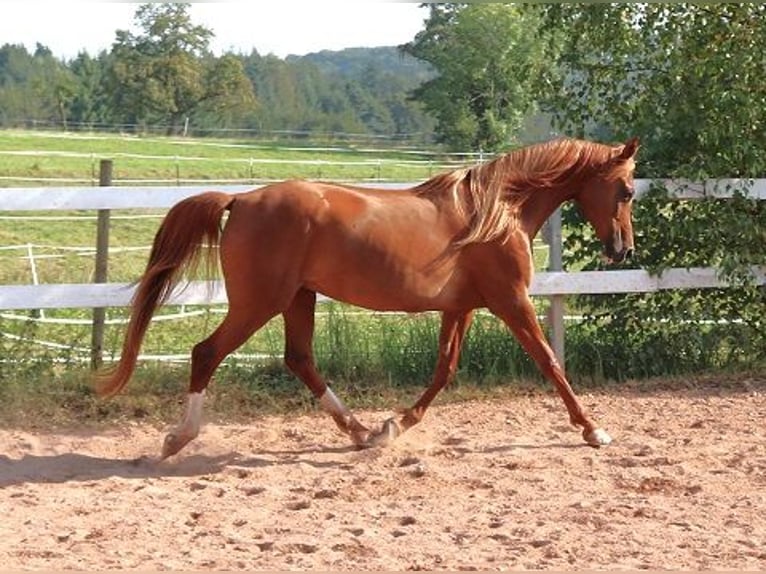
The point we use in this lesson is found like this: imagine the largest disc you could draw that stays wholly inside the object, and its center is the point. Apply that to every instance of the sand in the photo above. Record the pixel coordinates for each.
(495, 485)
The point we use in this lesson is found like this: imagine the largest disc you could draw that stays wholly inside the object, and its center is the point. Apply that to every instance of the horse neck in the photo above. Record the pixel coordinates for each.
(539, 206)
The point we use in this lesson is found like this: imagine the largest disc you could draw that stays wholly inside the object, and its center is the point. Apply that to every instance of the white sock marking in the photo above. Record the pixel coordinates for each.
(333, 404)
(190, 425)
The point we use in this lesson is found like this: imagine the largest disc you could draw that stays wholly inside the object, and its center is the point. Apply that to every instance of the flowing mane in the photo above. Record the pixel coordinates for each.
(490, 195)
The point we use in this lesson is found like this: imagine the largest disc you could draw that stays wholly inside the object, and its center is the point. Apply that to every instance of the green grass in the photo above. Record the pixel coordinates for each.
(372, 360)
(181, 160)
(52, 232)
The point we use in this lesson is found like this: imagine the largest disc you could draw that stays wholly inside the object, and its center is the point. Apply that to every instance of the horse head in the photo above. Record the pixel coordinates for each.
(606, 201)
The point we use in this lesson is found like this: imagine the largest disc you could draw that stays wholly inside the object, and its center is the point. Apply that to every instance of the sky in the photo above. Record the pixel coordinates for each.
(279, 27)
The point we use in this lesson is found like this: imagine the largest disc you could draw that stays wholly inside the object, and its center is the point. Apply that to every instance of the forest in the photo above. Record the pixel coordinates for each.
(355, 91)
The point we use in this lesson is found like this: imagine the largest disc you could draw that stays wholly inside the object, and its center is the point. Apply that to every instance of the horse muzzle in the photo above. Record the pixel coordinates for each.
(617, 250)
(617, 256)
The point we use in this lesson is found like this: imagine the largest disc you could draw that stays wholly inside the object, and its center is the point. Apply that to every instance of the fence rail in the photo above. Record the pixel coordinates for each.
(554, 284)
(161, 197)
(90, 295)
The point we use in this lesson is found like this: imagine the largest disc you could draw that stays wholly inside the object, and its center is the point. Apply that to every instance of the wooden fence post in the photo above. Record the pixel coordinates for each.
(556, 309)
(102, 267)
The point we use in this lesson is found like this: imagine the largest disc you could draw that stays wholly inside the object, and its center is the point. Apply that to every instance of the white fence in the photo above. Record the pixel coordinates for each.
(151, 197)
(90, 295)
(552, 283)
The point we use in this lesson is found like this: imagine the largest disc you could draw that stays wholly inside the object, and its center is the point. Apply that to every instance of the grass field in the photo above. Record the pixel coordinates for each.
(40, 158)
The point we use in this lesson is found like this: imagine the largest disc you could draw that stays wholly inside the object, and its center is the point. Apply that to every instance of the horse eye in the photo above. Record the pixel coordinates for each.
(628, 191)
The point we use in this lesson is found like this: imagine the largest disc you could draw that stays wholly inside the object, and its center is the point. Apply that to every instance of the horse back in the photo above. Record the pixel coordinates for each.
(379, 249)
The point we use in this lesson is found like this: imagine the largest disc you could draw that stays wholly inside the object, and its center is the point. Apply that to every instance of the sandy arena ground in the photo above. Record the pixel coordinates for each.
(482, 485)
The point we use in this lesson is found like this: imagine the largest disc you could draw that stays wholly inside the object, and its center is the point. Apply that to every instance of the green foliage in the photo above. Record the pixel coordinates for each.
(352, 91)
(33, 87)
(88, 105)
(687, 79)
(488, 58)
(166, 74)
(692, 329)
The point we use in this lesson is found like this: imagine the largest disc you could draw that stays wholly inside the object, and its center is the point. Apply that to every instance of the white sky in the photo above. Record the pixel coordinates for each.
(279, 27)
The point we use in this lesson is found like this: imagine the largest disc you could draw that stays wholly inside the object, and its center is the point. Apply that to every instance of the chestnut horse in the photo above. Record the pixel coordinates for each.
(457, 242)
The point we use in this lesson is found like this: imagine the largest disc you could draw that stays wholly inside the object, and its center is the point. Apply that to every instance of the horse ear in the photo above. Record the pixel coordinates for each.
(630, 148)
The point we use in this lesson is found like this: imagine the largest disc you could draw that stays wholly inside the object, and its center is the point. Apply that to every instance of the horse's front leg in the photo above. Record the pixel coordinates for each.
(453, 329)
(518, 313)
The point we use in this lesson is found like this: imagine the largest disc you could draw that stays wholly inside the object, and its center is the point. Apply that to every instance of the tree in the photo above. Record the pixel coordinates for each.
(315, 94)
(688, 79)
(228, 91)
(16, 68)
(88, 105)
(166, 73)
(489, 59)
(53, 86)
(33, 87)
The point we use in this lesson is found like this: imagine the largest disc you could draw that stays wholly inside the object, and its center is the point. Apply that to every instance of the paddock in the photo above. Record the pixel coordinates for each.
(491, 485)
(501, 484)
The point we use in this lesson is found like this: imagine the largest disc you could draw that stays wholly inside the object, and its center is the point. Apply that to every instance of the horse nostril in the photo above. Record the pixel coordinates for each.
(629, 253)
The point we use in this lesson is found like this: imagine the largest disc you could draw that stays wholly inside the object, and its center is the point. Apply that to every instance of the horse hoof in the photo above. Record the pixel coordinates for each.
(388, 434)
(171, 445)
(597, 437)
(360, 438)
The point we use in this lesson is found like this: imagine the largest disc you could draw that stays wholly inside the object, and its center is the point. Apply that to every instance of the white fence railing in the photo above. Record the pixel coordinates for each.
(547, 283)
(160, 197)
(554, 284)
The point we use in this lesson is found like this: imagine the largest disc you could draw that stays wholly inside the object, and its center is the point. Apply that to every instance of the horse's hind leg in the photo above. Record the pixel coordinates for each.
(453, 329)
(299, 358)
(235, 329)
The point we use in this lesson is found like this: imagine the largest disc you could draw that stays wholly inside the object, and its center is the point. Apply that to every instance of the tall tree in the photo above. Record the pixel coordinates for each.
(489, 59)
(228, 91)
(89, 102)
(33, 87)
(16, 68)
(166, 73)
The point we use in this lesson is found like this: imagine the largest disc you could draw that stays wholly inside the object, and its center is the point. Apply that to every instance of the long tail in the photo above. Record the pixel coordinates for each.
(191, 226)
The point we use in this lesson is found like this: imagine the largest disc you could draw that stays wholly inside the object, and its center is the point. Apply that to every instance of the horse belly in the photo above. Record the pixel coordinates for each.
(383, 282)
(383, 296)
